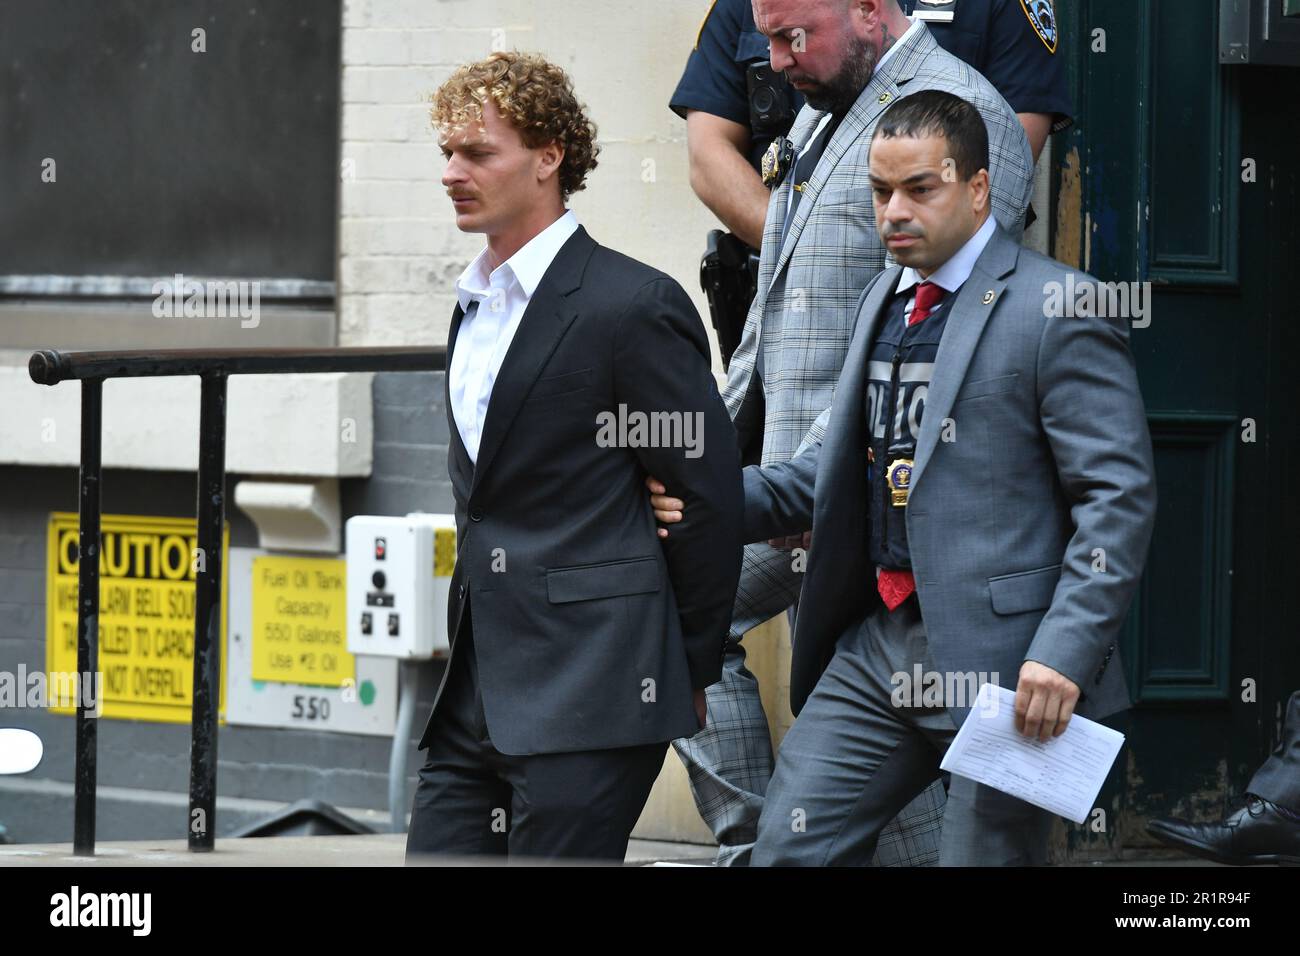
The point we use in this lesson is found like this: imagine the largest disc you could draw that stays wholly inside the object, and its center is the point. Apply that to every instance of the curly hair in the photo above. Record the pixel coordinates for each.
(535, 96)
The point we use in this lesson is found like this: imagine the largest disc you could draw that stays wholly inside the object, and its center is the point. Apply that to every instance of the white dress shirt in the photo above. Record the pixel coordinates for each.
(487, 330)
(952, 275)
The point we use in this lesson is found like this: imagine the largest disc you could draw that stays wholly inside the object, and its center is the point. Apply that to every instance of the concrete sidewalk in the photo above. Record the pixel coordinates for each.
(380, 849)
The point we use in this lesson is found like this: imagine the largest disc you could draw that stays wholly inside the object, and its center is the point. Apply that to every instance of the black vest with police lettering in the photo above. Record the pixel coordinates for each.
(898, 378)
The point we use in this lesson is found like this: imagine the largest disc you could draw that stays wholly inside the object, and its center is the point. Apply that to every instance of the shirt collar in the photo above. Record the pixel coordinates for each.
(901, 40)
(952, 275)
(526, 267)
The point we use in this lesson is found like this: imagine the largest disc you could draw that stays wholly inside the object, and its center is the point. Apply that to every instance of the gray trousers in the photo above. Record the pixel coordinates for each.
(729, 762)
(853, 759)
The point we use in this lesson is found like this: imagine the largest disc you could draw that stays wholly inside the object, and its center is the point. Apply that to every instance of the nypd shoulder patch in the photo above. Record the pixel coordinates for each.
(1043, 19)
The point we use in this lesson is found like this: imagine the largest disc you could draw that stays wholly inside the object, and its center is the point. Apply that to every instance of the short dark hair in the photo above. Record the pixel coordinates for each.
(936, 113)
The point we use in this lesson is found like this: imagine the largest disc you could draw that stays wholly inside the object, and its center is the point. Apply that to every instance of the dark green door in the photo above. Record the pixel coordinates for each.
(1183, 173)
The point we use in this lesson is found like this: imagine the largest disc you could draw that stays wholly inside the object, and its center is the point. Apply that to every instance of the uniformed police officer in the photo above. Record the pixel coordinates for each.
(1013, 43)
(734, 105)
(727, 130)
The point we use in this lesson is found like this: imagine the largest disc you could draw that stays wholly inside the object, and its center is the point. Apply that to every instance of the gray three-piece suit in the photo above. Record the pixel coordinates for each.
(1030, 512)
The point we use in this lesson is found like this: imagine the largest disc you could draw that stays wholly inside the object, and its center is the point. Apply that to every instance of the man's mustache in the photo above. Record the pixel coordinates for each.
(914, 231)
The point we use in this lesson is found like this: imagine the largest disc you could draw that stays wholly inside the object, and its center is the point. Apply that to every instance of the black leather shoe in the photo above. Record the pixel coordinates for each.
(1257, 833)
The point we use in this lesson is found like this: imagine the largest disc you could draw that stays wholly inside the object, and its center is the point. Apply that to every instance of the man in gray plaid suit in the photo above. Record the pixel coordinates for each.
(851, 59)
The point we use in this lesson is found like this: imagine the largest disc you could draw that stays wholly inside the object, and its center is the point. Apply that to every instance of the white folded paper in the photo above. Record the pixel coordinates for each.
(1062, 775)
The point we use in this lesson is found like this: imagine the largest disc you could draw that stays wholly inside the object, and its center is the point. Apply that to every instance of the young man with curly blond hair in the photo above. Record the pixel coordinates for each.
(581, 645)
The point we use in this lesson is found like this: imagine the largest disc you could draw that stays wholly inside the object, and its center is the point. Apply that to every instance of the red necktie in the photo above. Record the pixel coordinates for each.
(928, 295)
(895, 586)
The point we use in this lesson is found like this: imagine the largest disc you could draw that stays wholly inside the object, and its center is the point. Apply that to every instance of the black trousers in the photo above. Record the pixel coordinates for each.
(473, 800)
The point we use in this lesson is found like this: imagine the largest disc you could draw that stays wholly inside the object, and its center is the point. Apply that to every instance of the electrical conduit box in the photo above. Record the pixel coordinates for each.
(399, 577)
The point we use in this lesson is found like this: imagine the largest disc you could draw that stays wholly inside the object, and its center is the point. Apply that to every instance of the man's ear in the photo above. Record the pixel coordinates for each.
(981, 194)
(552, 157)
(872, 11)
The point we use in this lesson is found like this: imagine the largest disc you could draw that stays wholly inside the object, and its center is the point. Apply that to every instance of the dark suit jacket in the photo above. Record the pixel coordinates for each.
(590, 632)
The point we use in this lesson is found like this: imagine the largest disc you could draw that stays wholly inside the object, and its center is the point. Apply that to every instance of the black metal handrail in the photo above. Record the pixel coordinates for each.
(50, 366)
(214, 366)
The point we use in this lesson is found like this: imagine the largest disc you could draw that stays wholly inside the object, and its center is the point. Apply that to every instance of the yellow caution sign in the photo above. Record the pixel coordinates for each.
(300, 621)
(147, 569)
(444, 552)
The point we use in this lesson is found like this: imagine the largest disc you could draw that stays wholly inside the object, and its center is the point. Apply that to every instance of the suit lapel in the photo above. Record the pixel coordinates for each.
(800, 133)
(976, 301)
(848, 420)
(864, 112)
(840, 520)
(543, 324)
(462, 469)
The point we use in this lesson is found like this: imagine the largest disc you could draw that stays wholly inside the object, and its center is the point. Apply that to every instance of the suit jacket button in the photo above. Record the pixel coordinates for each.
(460, 591)
(475, 516)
